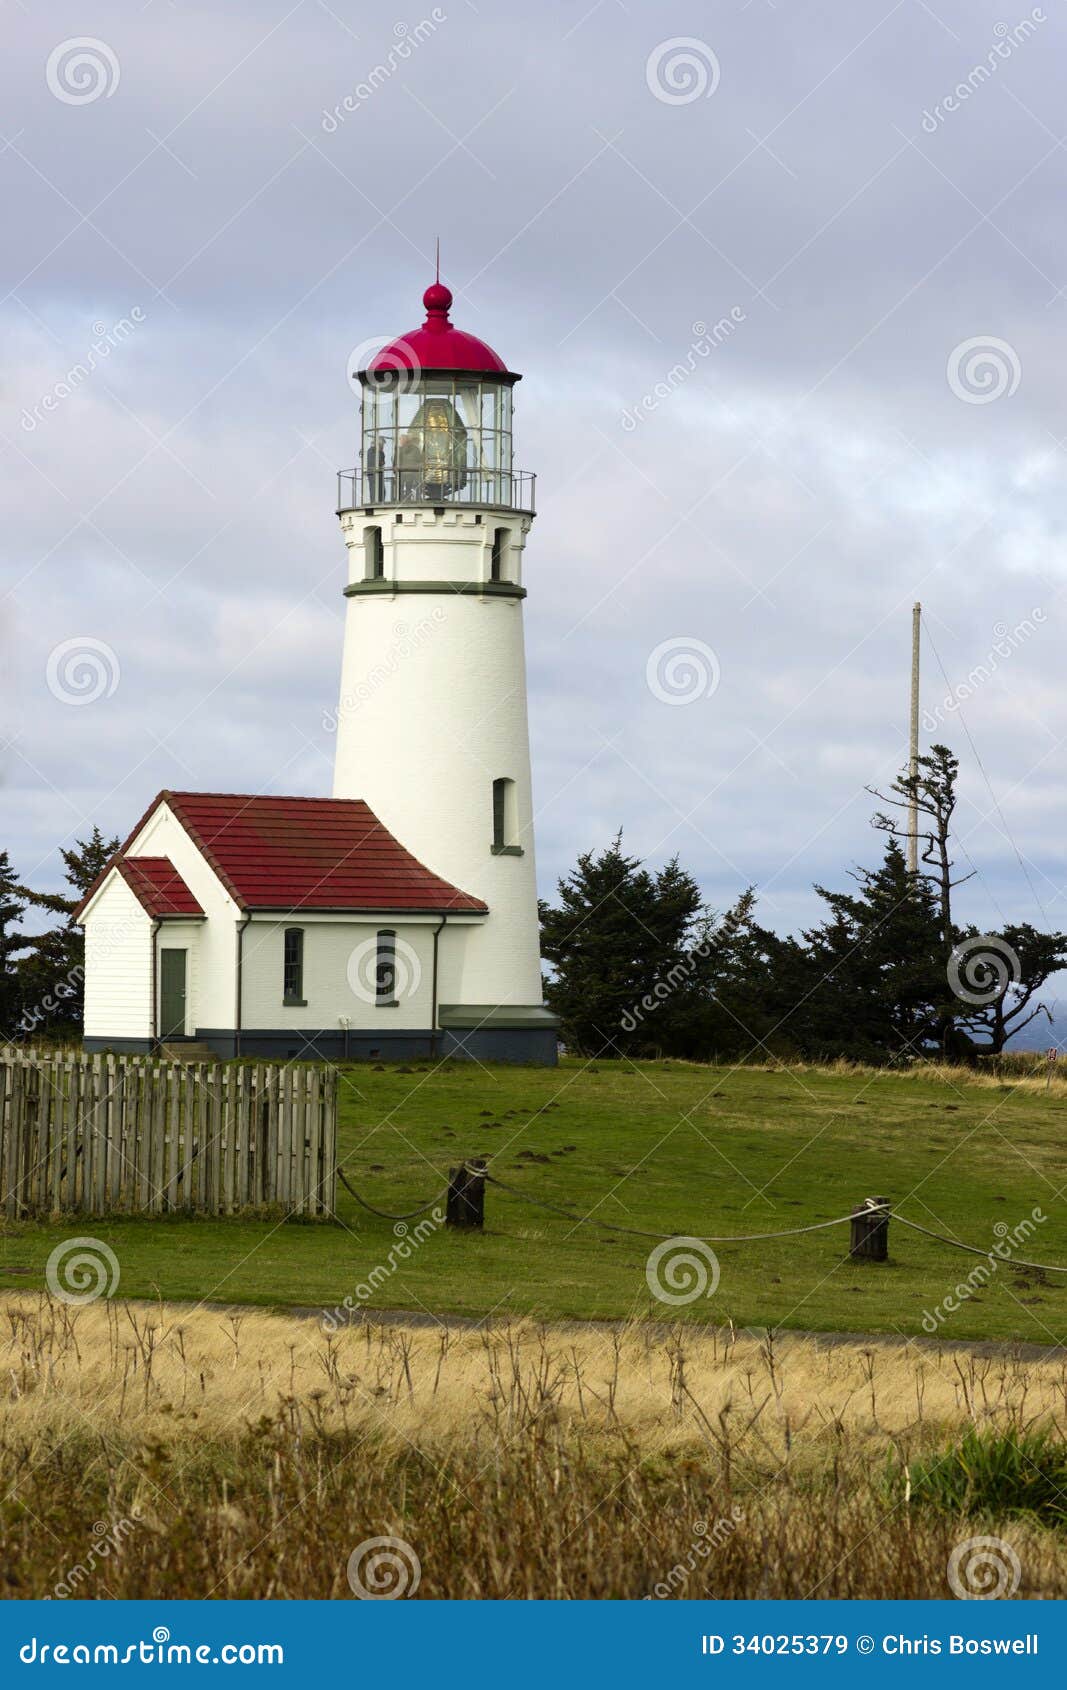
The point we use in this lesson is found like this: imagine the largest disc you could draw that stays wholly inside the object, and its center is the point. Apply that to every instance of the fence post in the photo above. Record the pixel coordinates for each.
(465, 1204)
(869, 1232)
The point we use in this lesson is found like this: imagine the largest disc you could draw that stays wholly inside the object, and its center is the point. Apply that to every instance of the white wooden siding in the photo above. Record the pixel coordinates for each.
(118, 965)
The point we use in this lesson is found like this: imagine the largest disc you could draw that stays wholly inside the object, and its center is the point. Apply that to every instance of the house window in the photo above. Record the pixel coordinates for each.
(293, 967)
(505, 820)
(385, 971)
(374, 553)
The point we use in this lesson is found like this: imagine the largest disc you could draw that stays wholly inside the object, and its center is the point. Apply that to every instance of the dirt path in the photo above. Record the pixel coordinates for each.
(784, 1336)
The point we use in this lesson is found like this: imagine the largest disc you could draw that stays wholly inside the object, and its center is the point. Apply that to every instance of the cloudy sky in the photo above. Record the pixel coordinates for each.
(214, 205)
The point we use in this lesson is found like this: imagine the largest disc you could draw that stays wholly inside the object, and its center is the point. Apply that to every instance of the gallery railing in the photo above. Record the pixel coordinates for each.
(511, 490)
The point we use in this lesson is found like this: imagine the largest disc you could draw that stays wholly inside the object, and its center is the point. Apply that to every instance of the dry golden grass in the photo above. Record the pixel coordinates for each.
(249, 1455)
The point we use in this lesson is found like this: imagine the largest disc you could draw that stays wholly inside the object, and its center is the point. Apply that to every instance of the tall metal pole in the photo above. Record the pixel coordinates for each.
(913, 745)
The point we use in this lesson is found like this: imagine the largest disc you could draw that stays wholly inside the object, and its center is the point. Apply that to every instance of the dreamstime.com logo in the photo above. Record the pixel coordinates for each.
(706, 1540)
(702, 346)
(406, 39)
(680, 1270)
(108, 1538)
(155, 1651)
(984, 1569)
(405, 643)
(80, 1270)
(82, 70)
(1006, 641)
(681, 670)
(982, 968)
(401, 364)
(1009, 1239)
(982, 369)
(408, 1240)
(1006, 38)
(105, 341)
(81, 670)
(384, 975)
(682, 70)
(382, 1569)
(678, 975)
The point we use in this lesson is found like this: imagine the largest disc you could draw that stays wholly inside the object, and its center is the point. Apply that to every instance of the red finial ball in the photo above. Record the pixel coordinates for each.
(437, 299)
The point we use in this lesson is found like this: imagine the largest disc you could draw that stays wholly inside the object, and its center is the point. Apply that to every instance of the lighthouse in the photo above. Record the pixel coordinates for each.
(432, 731)
(399, 917)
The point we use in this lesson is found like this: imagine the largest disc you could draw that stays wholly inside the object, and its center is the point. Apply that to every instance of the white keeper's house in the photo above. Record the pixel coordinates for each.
(398, 917)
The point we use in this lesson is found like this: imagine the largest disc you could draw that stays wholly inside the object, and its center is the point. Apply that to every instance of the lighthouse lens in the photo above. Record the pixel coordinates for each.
(440, 438)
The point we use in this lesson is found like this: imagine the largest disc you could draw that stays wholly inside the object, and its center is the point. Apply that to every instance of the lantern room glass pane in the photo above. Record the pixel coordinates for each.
(446, 437)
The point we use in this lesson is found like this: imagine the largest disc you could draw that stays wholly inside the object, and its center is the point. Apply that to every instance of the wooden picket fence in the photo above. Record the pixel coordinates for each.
(104, 1134)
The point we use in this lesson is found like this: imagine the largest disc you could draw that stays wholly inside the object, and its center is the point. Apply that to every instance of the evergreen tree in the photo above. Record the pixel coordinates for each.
(52, 976)
(12, 905)
(624, 946)
(878, 985)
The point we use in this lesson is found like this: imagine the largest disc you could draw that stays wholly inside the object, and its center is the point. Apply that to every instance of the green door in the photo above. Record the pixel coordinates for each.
(172, 994)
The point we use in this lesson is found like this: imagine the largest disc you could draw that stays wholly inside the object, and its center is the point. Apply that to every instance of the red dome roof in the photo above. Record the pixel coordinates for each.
(438, 345)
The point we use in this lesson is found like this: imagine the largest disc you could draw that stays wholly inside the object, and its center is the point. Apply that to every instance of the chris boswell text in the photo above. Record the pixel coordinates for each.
(830, 1643)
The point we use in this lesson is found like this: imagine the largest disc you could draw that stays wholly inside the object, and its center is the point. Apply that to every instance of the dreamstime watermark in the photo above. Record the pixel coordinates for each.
(82, 70)
(403, 46)
(1008, 38)
(1008, 1241)
(106, 937)
(409, 1239)
(107, 1539)
(80, 1270)
(982, 369)
(680, 1270)
(682, 70)
(104, 342)
(155, 1651)
(52, 1003)
(701, 346)
(706, 1540)
(984, 1569)
(982, 968)
(392, 357)
(384, 973)
(678, 975)
(381, 1569)
(405, 643)
(682, 670)
(81, 670)
(1007, 640)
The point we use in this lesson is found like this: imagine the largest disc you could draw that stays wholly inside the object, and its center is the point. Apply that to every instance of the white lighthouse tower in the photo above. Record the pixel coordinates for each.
(432, 727)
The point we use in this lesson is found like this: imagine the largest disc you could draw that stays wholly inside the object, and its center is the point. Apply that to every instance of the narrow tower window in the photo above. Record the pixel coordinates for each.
(505, 820)
(499, 554)
(293, 967)
(385, 971)
(374, 553)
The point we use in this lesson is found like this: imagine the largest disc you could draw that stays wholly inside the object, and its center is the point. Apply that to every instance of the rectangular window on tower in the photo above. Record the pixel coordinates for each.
(505, 820)
(498, 558)
(374, 553)
(385, 971)
(293, 968)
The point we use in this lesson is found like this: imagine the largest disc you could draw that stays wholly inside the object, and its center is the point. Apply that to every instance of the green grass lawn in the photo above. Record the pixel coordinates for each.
(667, 1147)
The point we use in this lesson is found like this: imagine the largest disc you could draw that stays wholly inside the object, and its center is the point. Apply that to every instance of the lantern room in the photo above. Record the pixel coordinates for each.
(436, 422)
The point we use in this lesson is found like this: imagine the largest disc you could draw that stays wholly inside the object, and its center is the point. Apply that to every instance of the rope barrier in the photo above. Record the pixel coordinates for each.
(1013, 1261)
(705, 1238)
(636, 1232)
(383, 1214)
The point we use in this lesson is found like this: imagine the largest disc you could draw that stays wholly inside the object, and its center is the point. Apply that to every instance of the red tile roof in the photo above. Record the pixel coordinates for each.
(158, 885)
(304, 854)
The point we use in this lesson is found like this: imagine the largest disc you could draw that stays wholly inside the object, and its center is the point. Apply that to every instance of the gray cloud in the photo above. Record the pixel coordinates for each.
(784, 503)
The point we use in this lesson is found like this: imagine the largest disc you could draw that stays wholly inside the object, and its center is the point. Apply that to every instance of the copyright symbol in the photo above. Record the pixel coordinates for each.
(865, 1645)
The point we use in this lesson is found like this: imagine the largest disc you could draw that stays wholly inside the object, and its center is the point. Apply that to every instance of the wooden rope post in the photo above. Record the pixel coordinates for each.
(465, 1203)
(869, 1233)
